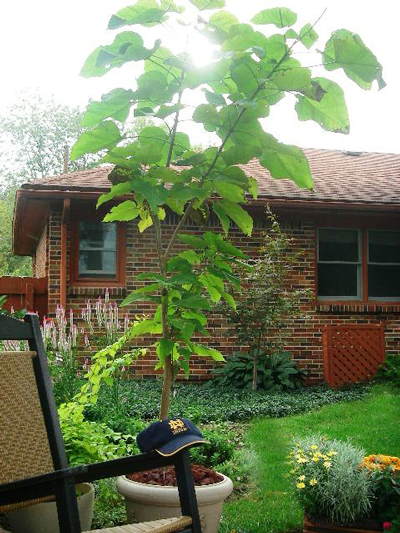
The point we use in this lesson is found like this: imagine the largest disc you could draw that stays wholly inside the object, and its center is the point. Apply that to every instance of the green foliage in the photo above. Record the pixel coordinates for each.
(386, 494)
(10, 265)
(250, 72)
(212, 403)
(90, 442)
(329, 481)
(390, 370)
(219, 449)
(16, 314)
(109, 506)
(276, 372)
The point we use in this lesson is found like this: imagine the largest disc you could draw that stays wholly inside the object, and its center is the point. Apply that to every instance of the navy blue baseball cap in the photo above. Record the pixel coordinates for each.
(169, 436)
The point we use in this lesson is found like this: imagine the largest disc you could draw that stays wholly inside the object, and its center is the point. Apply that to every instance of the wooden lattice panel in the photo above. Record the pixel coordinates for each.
(352, 353)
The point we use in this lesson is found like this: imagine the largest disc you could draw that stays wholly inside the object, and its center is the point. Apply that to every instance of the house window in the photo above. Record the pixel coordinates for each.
(98, 253)
(339, 264)
(97, 250)
(358, 264)
(383, 264)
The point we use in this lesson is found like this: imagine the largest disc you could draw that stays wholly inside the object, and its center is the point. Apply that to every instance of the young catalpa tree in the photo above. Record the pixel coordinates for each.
(253, 68)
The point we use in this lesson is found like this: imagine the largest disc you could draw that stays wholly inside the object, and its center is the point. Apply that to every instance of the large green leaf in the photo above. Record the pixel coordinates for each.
(281, 17)
(291, 76)
(208, 115)
(223, 20)
(144, 12)
(127, 46)
(195, 242)
(146, 326)
(228, 190)
(128, 210)
(193, 301)
(105, 135)
(202, 350)
(347, 51)
(287, 161)
(308, 36)
(116, 104)
(223, 217)
(117, 190)
(238, 215)
(203, 5)
(199, 76)
(155, 194)
(242, 37)
(330, 112)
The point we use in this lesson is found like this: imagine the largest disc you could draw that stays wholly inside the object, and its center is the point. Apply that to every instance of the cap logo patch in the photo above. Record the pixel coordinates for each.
(177, 426)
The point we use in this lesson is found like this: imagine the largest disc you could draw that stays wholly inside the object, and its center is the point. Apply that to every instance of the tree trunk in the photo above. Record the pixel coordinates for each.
(255, 373)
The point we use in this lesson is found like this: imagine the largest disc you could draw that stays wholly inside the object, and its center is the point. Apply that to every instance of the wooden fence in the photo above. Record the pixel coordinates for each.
(25, 293)
(352, 353)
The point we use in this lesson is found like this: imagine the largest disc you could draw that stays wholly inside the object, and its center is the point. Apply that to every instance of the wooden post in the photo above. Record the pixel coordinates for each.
(64, 250)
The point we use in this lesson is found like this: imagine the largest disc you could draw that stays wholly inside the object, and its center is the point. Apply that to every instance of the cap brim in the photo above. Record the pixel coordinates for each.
(179, 444)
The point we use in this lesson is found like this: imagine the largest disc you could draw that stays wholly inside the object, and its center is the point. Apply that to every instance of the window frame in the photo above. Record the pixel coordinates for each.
(364, 243)
(379, 298)
(359, 264)
(119, 279)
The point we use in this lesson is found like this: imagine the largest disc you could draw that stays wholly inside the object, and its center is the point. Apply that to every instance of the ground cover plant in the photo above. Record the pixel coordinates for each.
(252, 69)
(204, 404)
(272, 506)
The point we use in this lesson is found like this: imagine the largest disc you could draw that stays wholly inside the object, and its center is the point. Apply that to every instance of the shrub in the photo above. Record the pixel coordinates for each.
(276, 372)
(390, 370)
(109, 506)
(219, 449)
(329, 481)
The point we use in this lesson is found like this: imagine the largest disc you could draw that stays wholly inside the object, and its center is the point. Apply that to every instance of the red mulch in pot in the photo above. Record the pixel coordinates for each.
(167, 478)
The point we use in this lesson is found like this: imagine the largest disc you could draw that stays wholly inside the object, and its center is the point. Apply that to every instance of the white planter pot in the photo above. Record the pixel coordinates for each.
(151, 502)
(42, 517)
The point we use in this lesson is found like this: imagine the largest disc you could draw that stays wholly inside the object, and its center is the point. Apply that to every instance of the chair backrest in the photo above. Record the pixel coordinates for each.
(30, 436)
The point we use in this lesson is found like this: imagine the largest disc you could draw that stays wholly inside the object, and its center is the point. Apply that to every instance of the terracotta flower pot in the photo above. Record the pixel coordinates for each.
(43, 518)
(146, 502)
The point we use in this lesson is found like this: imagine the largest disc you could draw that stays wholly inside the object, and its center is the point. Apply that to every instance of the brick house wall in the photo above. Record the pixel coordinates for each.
(305, 338)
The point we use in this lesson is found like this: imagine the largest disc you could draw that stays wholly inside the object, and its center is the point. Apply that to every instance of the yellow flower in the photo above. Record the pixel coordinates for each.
(293, 471)
(300, 485)
(313, 482)
(331, 454)
(313, 447)
(316, 458)
(302, 478)
(327, 464)
(301, 460)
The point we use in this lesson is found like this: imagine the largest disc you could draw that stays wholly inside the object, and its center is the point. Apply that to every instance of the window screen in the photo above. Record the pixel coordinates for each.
(97, 250)
(383, 264)
(339, 264)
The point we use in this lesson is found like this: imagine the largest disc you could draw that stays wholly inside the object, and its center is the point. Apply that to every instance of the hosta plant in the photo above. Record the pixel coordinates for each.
(275, 372)
(254, 65)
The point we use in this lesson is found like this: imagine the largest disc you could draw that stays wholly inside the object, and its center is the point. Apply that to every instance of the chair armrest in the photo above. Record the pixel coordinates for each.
(125, 465)
(36, 486)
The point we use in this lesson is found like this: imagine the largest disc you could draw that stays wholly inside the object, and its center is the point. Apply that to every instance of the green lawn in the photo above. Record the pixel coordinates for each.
(370, 423)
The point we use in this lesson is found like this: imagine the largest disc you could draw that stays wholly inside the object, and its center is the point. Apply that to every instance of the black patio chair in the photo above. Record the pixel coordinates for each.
(33, 462)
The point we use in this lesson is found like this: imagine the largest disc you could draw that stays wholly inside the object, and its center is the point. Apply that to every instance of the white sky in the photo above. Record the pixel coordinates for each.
(44, 43)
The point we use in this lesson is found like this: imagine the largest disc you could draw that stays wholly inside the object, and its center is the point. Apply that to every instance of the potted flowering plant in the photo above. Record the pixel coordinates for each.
(340, 488)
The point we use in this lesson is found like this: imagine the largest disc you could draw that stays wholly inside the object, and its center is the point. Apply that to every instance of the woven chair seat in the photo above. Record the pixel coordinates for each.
(167, 525)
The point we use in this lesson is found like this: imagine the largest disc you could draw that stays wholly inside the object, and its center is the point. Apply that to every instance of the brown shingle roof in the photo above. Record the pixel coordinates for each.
(362, 178)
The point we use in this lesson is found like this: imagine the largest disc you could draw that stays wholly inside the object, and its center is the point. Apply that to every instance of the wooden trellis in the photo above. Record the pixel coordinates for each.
(352, 353)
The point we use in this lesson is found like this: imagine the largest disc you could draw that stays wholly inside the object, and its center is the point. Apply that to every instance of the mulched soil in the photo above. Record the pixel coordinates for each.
(167, 478)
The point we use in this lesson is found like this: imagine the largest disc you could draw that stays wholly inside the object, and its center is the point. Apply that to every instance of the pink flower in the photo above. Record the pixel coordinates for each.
(387, 525)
